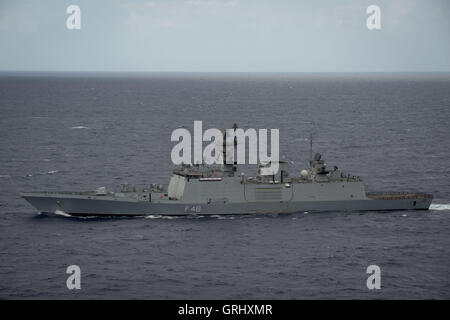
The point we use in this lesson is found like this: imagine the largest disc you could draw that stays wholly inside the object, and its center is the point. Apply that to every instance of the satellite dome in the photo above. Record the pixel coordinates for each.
(304, 173)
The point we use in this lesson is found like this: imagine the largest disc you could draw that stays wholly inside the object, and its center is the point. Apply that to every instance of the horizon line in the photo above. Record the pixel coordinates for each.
(134, 71)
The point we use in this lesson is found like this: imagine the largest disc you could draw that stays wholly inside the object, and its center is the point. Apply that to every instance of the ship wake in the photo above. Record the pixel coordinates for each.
(62, 213)
(440, 206)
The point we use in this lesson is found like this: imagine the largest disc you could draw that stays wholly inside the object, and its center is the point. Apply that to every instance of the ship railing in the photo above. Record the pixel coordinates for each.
(78, 193)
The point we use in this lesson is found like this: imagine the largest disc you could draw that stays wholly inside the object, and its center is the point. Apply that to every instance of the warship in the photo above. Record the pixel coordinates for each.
(200, 189)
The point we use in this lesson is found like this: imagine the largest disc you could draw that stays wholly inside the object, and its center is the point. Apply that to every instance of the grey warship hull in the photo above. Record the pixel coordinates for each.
(82, 205)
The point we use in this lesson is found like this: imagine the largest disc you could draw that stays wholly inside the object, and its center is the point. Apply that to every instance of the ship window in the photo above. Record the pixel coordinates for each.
(414, 203)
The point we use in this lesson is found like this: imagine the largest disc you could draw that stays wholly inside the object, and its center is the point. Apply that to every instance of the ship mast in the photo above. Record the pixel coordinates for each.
(224, 145)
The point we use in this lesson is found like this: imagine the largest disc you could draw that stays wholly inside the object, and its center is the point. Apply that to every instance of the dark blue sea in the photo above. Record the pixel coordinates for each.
(80, 131)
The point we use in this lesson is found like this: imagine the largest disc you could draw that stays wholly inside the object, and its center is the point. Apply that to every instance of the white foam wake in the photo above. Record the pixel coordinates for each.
(222, 217)
(62, 213)
(440, 206)
(159, 216)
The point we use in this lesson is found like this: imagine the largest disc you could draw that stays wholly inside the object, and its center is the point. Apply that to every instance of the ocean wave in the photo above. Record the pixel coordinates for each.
(40, 173)
(79, 127)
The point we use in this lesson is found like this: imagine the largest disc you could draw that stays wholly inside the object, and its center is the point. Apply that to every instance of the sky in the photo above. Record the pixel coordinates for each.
(225, 36)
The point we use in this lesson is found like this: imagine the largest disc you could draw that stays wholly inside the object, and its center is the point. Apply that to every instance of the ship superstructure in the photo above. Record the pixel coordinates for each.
(221, 189)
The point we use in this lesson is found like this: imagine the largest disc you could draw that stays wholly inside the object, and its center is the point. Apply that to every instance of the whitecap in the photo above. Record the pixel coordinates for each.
(52, 172)
(79, 127)
(5, 176)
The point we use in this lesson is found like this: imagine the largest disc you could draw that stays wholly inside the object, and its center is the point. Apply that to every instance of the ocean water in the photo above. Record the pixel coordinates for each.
(81, 131)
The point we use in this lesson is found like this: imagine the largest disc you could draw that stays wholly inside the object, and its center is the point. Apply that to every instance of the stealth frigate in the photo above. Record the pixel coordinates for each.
(218, 190)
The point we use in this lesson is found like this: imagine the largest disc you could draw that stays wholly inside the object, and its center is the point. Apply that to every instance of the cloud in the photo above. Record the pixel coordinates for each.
(399, 10)
(175, 15)
(212, 35)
